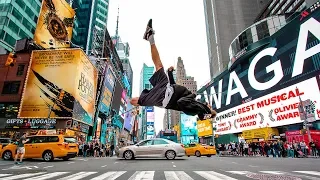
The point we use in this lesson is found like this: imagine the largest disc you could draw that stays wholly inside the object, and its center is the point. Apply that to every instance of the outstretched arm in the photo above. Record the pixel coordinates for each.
(170, 75)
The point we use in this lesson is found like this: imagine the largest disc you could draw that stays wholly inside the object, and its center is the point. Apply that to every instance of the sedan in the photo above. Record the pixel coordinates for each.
(152, 148)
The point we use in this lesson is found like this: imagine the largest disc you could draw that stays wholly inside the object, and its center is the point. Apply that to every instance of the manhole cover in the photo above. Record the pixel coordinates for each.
(271, 177)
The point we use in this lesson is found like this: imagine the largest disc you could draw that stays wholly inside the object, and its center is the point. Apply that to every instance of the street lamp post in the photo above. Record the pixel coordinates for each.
(305, 123)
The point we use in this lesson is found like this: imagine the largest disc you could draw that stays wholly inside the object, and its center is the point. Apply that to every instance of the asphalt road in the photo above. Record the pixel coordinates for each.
(214, 168)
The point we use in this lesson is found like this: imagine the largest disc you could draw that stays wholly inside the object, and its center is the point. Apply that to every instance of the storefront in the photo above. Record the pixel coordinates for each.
(13, 128)
(261, 134)
(300, 135)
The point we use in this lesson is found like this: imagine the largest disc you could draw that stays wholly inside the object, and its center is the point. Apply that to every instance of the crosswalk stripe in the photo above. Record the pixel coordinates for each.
(47, 176)
(112, 175)
(273, 172)
(142, 175)
(239, 172)
(22, 176)
(309, 172)
(176, 175)
(3, 175)
(78, 176)
(211, 175)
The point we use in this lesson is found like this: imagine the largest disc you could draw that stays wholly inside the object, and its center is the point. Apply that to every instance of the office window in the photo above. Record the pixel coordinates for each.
(11, 87)
(20, 70)
(10, 40)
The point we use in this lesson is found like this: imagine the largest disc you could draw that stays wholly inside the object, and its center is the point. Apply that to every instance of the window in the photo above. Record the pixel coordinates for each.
(53, 139)
(11, 87)
(20, 70)
(159, 142)
(145, 143)
(39, 139)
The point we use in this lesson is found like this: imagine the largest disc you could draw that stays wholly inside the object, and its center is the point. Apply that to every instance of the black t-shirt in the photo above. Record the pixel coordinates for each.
(20, 142)
(179, 92)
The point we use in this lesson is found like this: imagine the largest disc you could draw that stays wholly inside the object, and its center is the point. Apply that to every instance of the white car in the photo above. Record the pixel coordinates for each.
(152, 148)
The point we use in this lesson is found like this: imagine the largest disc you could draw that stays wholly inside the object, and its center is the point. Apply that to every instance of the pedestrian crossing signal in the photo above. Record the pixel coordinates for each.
(11, 60)
(61, 95)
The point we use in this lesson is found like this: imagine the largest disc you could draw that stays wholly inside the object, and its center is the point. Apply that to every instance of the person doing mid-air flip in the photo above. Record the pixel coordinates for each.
(165, 92)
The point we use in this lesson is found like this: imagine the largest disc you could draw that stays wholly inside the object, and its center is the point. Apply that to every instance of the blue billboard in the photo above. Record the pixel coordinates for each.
(108, 88)
(150, 128)
(188, 129)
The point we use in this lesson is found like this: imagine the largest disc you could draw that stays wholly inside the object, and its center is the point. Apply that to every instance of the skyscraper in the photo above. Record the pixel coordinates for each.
(225, 20)
(145, 75)
(184, 80)
(91, 16)
(18, 20)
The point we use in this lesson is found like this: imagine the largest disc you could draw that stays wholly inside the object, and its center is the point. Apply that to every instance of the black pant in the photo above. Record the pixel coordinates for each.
(191, 107)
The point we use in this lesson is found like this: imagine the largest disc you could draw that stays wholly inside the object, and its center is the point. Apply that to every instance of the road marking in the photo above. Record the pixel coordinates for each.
(253, 166)
(309, 172)
(239, 172)
(142, 175)
(234, 163)
(3, 175)
(85, 160)
(47, 167)
(176, 175)
(47, 176)
(172, 162)
(116, 162)
(211, 175)
(273, 172)
(104, 165)
(70, 162)
(41, 162)
(78, 176)
(21, 167)
(22, 176)
(174, 166)
(112, 175)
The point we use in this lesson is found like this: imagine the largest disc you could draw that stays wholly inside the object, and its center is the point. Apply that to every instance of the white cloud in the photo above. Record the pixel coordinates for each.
(180, 31)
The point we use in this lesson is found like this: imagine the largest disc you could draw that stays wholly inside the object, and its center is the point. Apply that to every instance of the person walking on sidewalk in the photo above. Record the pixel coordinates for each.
(20, 149)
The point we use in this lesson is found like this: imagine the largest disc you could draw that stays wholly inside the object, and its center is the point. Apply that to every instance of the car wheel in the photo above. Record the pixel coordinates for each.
(7, 155)
(170, 154)
(188, 155)
(208, 155)
(198, 154)
(128, 155)
(47, 156)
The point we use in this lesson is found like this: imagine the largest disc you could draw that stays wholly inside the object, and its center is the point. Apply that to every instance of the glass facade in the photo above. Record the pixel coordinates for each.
(258, 31)
(90, 15)
(18, 19)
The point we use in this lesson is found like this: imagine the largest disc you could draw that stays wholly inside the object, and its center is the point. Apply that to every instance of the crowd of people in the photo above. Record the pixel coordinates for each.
(95, 149)
(278, 148)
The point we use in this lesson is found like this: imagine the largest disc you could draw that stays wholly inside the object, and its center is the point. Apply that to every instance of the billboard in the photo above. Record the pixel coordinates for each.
(150, 114)
(263, 90)
(55, 23)
(150, 128)
(106, 97)
(60, 84)
(275, 109)
(129, 118)
(188, 125)
(115, 104)
(204, 128)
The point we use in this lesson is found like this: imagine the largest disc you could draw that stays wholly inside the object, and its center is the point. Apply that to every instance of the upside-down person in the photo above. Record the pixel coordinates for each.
(165, 92)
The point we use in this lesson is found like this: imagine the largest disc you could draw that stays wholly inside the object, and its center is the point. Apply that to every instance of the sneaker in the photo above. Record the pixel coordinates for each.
(15, 162)
(19, 163)
(149, 31)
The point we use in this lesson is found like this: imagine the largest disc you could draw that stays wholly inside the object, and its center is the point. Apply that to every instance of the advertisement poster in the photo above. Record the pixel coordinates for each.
(60, 84)
(276, 109)
(204, 128)
(150, 128)
(55, 23)
(129, 118)
(188, 125)
(107, 92)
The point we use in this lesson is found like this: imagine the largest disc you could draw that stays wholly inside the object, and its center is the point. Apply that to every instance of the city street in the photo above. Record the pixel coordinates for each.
(214, 168)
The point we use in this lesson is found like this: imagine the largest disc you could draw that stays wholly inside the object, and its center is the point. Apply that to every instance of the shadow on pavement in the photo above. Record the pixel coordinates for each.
(152, 159)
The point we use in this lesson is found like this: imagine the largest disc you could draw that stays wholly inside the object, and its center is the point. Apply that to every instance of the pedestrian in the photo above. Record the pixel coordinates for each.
(20, 149)
(165, 92)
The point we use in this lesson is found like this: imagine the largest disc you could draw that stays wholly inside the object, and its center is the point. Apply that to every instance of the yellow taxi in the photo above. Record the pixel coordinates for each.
(198, 150)
(47, 147)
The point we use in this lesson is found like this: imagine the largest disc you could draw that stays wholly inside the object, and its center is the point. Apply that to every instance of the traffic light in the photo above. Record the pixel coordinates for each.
(61, 95)
(11, 60)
